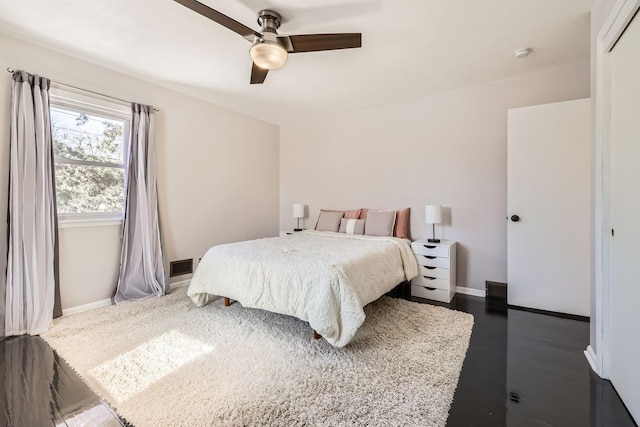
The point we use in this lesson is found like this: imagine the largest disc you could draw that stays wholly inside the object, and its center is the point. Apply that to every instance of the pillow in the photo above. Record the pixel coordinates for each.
(363, 213)
(353, 214)
(401, 229)
(351, 226)
(380, 223)
(329, 220)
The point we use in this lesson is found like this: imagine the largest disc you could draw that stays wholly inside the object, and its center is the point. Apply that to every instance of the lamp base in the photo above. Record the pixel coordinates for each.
(297, 229)
(433, 240)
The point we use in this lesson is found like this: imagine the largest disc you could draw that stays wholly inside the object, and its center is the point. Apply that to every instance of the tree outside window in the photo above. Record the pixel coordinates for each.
(90, 160)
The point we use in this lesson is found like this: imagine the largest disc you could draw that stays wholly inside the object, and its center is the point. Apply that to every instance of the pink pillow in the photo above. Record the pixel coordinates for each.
(401, 228)
(363, 213)
(352, 214)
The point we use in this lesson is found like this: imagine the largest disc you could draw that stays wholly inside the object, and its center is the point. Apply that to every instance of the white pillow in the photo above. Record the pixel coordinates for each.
(352, 226)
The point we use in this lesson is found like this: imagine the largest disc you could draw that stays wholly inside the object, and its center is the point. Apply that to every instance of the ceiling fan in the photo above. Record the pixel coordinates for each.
(269, 50)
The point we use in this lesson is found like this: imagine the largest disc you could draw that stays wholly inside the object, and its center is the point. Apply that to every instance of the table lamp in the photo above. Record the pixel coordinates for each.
(298, 212)
(433, 216)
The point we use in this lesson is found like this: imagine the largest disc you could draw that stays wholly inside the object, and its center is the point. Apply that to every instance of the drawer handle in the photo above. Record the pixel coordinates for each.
(430, 257)
(429, 277)
(431, 289)
(429, 268)
(429, 247)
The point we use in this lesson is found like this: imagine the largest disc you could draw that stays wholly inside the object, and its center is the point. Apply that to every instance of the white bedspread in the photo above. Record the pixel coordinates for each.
(322, 278)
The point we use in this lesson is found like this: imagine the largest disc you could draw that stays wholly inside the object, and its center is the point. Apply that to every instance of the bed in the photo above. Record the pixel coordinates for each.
(323, 278)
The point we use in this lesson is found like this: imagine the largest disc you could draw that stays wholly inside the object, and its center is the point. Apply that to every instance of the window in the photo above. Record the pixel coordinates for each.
(90, 140)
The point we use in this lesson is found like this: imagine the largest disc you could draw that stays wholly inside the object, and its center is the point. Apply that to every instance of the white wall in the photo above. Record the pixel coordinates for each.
(89, 261)
(448, 148)
(217, 171)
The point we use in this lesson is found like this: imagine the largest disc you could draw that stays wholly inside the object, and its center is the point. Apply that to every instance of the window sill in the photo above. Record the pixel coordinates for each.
(83, 223)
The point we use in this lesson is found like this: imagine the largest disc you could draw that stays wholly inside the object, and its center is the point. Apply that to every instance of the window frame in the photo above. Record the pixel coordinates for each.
(89, 103)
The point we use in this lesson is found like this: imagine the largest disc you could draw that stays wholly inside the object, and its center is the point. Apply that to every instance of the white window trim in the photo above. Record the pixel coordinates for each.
(75, 222)
(65, 161)
(105, 107)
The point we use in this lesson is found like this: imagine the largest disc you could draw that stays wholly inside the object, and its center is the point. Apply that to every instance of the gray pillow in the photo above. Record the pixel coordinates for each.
(352, 226)
(329, 220)
(380, 223)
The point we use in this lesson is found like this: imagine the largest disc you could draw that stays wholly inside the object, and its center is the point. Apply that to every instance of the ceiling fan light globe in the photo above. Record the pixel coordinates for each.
(269, 55)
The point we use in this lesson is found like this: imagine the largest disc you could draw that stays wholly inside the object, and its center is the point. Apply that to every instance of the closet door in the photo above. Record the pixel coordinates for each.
(549, 205)
(625, 218)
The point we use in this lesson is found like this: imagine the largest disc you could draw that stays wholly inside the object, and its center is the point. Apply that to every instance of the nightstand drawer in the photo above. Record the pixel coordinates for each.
(431, 250)
(436, 294)
(429, 261)
(437, 272)
(431, 282)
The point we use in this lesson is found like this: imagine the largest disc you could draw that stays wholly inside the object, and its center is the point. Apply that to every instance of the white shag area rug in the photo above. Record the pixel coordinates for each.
(166, 362)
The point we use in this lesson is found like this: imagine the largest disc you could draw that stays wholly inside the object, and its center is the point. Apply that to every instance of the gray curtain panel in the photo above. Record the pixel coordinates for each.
(142, 272)
(31, 290)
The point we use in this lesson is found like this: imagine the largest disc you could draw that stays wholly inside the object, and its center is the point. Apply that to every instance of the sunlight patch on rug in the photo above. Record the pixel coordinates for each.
(147, 363)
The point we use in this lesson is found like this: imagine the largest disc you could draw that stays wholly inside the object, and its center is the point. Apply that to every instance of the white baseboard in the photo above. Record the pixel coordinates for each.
(105, 302)
(592, 359)
(179, 284)
(471, 291)
(85, 307)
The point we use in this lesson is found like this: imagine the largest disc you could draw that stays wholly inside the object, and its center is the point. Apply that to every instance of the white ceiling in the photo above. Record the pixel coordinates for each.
(410, 47)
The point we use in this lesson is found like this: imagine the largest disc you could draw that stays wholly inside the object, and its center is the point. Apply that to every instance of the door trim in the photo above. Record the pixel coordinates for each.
(619, 18)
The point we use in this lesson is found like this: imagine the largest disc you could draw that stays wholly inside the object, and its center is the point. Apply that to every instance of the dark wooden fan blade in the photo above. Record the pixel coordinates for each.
(317, 42)
(258, 74)
(218, 17)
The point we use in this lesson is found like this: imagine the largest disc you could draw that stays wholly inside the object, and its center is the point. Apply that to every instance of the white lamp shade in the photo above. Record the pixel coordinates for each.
(298, 210)
(433, 214)
(269, 55)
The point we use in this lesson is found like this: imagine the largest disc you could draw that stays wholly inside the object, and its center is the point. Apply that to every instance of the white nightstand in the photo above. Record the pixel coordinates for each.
(436, 278)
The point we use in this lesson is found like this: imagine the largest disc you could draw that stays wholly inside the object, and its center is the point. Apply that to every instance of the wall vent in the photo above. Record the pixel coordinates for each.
(496, 290)
(178, 268)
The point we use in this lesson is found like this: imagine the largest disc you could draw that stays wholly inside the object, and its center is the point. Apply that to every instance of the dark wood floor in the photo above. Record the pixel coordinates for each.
(521, 369)
(40, 389)
(529, 369)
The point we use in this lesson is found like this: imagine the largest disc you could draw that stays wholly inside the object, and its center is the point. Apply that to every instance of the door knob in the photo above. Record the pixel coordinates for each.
(515, 218)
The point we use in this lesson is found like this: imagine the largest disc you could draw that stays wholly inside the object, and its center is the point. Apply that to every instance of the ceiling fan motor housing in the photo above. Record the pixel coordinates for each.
(269, 20)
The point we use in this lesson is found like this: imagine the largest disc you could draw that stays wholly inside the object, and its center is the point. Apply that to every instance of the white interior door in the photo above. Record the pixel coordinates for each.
(624, 299)
(549, 189)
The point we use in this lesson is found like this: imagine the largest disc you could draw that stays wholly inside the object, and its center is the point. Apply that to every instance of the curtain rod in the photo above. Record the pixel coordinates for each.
(11, 70)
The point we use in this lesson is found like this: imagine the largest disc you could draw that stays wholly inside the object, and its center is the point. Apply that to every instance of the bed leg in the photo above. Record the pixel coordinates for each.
(227, 302)
(316, 336)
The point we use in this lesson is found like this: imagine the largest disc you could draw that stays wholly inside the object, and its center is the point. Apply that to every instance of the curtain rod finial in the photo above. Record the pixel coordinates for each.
(11, 70)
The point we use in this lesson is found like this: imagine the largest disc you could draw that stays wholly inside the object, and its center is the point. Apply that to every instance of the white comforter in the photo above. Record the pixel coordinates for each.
(322, 278)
